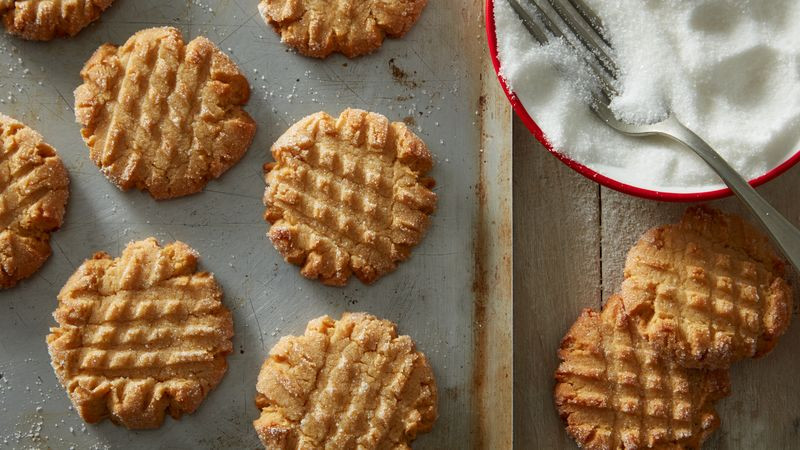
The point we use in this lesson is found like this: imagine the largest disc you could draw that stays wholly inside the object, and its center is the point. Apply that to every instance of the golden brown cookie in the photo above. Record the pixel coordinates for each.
(352, 27)
(615, 392)
(348, 195)
(140, 335)
(163, 116)
(34, 187)
(707, 291)
(43, 20)
(345, 384)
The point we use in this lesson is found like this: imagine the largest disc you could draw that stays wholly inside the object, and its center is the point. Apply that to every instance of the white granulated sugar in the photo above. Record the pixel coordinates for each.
(727, 69)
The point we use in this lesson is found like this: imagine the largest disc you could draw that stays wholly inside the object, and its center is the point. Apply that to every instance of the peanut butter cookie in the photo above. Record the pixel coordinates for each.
(707, 291)
(353, 27)
(163, 116)
(351, 383)
(348, 195)
(43, 20)
(615, 392)
(34, 187)
(140, 335)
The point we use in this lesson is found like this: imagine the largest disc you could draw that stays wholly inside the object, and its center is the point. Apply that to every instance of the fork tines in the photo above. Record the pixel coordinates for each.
(579, 26)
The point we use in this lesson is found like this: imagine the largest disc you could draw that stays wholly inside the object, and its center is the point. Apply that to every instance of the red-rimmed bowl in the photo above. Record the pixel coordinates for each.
(599, 177)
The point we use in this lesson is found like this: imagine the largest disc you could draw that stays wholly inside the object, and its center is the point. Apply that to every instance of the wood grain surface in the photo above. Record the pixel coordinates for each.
(570, 241)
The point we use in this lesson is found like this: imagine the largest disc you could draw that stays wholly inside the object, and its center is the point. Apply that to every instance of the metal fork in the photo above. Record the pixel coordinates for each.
(578, 25)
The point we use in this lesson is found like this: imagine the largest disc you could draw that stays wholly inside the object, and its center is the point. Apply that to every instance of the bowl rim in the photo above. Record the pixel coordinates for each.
(533, 127)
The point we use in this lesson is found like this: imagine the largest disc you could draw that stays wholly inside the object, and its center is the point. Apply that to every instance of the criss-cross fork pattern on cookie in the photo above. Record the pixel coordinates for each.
(353, 27)
(707, 291)
(161, 115)
(140, 335)
(351, 383)
(43, 20)
(348, 195)
(34, 187)
(615, 392)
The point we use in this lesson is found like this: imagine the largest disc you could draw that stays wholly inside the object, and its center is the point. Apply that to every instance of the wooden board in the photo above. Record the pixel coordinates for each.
(570, 241)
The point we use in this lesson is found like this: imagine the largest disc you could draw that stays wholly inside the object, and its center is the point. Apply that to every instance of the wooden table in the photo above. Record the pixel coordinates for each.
(570, 241)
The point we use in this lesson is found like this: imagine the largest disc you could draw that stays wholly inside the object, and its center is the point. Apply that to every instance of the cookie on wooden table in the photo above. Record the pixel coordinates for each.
(707, 291)
(34, 187)
(161, 115)
(347, 383)
(352, 27)
(43, 20)
(141, 335)
(348, 195)
(615, 392)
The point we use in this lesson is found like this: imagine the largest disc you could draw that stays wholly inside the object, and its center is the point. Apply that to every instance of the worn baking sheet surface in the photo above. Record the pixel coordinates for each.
(430, 79)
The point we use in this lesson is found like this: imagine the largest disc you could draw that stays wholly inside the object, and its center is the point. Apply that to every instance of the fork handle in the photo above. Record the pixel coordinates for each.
(785, 235)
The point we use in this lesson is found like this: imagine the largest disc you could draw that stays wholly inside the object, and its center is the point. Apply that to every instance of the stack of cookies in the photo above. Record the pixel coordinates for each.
(647, 370)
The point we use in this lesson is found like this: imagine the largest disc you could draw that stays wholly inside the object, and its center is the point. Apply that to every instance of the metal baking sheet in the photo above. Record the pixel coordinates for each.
(453, 296)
